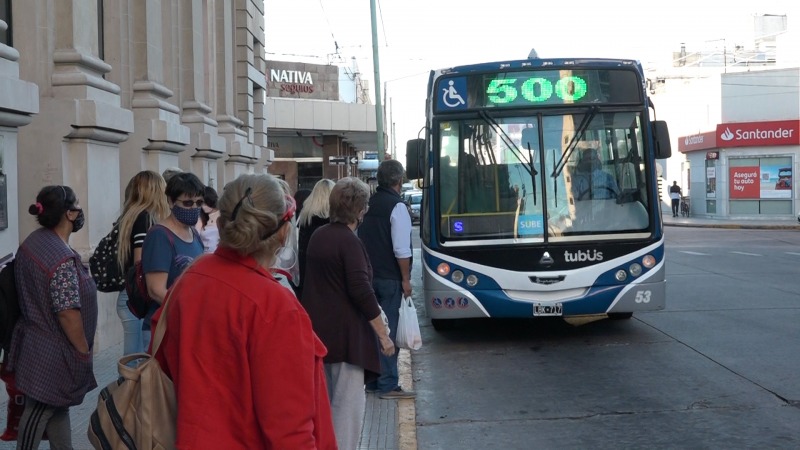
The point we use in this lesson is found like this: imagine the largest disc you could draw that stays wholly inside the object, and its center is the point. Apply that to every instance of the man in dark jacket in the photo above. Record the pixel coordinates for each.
(386, 233)
(675, 195)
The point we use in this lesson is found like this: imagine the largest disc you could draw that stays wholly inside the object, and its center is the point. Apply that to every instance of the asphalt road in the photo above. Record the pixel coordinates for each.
(718, 368)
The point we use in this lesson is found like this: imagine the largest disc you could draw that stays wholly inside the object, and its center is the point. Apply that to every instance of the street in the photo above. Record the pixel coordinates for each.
(716, 369)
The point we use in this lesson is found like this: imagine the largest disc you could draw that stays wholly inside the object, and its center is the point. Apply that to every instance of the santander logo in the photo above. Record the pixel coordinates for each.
(746, 134)
(727, 135)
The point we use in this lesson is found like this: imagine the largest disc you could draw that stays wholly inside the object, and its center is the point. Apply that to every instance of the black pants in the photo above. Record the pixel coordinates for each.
(675, 206)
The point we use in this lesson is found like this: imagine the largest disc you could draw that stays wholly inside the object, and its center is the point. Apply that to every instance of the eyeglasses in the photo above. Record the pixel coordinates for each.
(191, 203)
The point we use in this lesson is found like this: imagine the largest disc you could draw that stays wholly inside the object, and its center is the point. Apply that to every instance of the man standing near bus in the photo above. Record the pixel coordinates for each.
(386, 234)
(675, 195)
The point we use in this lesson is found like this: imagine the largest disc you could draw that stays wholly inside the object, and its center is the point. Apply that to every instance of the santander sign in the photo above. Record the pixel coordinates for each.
(749, 134)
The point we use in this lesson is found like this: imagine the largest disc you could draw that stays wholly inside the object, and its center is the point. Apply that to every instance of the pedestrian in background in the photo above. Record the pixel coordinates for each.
(172, 245)
(51, 348)
(286, 269)
(207, 225)
(170, 172)
(675, 195)
(315, 214)
(300, 199)
(386, 234)
(145, 205)
(240, 349)
(338, 296)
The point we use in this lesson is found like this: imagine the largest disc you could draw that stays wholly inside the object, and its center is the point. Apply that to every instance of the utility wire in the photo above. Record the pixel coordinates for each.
(325, 15)
(383, 25)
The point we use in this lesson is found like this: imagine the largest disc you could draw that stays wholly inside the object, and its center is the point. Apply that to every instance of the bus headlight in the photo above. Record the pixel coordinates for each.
(635, 269)
(443, 269)
(457, 277)
(649, 261)
(621, 275)
(472, 280)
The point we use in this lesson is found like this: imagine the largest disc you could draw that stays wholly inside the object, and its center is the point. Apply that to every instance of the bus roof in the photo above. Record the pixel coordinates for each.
(540, 63)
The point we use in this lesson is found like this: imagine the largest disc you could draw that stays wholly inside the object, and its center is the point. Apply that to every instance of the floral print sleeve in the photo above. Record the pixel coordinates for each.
(64, 292)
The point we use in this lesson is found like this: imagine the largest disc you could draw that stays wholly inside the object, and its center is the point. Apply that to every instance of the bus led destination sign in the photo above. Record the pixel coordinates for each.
(539, 88)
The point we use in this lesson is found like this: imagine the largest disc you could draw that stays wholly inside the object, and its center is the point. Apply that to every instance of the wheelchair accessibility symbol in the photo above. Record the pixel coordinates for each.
(450, 95)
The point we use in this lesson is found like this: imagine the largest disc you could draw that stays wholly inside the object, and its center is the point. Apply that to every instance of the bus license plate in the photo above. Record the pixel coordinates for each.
(549, 309)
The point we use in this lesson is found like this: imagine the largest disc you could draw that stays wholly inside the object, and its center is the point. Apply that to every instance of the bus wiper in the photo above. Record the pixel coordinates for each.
(587, 119)
(507, 140)
(555, 184)
(534, 172)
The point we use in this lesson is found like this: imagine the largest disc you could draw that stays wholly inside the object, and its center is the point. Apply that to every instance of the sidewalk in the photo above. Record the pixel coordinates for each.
(701, 222)
(383, 422)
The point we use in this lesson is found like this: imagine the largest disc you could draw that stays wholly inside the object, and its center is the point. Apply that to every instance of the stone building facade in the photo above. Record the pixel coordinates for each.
(96, 90)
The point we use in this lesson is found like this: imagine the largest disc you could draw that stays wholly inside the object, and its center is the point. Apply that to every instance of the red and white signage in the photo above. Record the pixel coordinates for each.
(752, 134)
(701, 141)
(745, 182)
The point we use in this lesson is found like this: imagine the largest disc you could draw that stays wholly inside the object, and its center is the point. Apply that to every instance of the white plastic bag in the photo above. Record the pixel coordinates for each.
(408, 335)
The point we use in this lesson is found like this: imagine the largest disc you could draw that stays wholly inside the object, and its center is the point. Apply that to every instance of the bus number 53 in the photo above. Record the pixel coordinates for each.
(642, 297)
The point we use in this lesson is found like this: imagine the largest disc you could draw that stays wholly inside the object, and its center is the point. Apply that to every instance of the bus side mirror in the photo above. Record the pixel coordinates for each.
(414, 153)
(662, 144)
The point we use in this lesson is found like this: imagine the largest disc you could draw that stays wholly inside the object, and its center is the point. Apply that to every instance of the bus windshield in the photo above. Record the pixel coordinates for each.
(557, 177)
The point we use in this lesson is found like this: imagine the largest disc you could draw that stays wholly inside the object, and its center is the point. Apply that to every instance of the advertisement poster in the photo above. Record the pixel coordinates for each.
(711, 182)
(776, 179)
(745, 182)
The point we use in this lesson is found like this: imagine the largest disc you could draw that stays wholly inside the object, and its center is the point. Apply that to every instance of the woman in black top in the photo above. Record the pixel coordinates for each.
(315, 214)
(145, 204)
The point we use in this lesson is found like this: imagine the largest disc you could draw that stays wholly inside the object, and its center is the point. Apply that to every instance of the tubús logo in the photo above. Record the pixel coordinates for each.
(727, 135)
(583, 255)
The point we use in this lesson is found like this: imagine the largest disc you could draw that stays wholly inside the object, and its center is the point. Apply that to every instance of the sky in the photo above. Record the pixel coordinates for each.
(417, 36)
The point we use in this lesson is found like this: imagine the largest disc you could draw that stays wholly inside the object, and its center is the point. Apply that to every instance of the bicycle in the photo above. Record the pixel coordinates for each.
(685, 206)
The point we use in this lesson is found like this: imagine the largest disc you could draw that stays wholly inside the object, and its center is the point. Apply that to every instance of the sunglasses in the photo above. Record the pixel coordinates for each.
(190, 203)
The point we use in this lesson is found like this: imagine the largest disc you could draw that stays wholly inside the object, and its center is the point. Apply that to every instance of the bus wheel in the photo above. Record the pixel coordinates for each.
(443, 325)
(620, 316)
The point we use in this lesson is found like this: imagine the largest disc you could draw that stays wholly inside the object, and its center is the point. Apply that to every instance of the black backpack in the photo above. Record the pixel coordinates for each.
(103, 263)
(9, 305)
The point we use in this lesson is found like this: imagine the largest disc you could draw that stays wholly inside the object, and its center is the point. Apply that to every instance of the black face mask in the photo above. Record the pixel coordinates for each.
(77, 224)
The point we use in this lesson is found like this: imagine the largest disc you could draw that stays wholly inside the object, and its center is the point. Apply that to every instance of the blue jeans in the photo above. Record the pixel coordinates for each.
(390, 295)
(131, 326)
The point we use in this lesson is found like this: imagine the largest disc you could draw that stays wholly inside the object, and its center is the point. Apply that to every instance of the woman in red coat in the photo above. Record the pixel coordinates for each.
(240, 348)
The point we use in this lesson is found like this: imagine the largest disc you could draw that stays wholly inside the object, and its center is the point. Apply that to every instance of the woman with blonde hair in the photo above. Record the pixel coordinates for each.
(145, 205)
(240, 349)
(315, 214)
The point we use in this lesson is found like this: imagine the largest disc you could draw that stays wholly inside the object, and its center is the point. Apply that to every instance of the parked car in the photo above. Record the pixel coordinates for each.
(414, 202)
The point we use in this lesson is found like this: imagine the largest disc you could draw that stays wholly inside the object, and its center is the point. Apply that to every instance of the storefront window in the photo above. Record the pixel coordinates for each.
(760, 186)
(711, 178)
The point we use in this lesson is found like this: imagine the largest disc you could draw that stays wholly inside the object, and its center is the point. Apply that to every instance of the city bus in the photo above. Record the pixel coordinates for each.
(540, 191)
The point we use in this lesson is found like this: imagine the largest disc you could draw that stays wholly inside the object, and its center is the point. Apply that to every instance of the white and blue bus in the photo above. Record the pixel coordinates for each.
(540, 193)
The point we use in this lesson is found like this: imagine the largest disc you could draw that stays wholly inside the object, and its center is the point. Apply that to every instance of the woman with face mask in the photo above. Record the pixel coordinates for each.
(51, 348)
(171, 245)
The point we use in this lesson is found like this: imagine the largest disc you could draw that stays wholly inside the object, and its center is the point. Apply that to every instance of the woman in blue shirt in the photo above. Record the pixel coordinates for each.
(174, 243)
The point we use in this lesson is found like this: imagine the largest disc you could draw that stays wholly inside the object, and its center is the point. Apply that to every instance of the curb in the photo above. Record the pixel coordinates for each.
(406, 408)
(733, 226)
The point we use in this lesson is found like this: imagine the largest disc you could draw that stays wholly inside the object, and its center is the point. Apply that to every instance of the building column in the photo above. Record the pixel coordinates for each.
(197, 57)
(159, 131)
(75, 139)
(18, 104)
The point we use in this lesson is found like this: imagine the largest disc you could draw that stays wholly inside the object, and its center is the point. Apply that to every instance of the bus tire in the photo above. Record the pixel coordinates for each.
(442, 324)
(620, 316)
